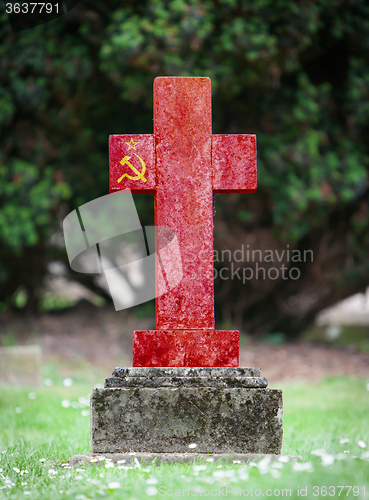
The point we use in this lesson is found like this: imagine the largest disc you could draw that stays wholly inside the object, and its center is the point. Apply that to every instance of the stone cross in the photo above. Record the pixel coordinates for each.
(184, 164)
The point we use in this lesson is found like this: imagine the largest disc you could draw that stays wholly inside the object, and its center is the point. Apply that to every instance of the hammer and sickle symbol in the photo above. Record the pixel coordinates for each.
(139, 175)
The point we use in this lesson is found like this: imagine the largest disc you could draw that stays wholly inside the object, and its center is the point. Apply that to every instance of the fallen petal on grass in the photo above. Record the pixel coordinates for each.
(68, 382)
(327, 460)
(299, 467)
(113, 485)
(151, 491)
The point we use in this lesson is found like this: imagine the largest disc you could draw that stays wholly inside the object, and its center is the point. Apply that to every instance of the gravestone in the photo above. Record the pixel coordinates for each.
(185, 386)
(20, 365)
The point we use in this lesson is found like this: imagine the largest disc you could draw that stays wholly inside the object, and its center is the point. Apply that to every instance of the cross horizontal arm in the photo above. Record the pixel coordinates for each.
(132, 163)
(234, 163)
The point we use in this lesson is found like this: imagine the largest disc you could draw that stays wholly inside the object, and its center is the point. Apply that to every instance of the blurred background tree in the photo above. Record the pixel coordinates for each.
(294, 73)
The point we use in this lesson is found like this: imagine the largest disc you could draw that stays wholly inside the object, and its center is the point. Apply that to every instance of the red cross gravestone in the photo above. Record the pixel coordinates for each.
(184, 164)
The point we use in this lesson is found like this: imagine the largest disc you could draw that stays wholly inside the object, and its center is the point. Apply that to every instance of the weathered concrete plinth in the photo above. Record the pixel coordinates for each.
(164, 410)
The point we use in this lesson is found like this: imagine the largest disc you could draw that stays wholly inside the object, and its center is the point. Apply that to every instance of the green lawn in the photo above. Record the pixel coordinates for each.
(38, 435)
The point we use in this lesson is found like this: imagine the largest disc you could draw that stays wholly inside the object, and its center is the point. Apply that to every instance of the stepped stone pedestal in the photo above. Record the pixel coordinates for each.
(165, 410)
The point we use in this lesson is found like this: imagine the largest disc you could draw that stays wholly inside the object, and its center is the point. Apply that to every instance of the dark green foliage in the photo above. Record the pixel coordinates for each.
(294, 73)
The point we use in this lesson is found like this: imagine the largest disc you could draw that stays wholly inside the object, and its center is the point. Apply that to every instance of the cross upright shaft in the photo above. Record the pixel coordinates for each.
(184, 197)
(185, 165)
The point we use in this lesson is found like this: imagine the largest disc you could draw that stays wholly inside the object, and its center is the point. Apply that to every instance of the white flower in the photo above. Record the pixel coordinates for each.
(298, 467)
(284, 459)
(275, 473)
(236, 461)
(52, 472)
(210, 459)
(319, 452)
(32, 395)
(16, 470)
(218, 473)
(263, 465)
(121, 461)
(42, 460)
(192, 445)
(92, 460)
(109, 465)
(361, 444)
(85, 413)
(199, 467)
(113, 485)
(18, 409)
(327, 460)
(344, 440)
(152, 480)
(67, 382)
(151, 491)
(277, 465)
(65, 403)
(48, 382)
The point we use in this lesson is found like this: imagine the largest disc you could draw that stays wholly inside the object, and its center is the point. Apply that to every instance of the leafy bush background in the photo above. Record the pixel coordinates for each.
(294, 73)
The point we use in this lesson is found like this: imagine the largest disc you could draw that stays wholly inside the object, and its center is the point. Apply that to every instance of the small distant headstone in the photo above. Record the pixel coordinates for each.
(20, 365)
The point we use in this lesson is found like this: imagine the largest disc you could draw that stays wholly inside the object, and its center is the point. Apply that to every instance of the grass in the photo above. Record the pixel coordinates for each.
(38, 435)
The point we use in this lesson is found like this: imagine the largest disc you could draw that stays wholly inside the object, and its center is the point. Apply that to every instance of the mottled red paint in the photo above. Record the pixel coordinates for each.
(234, 163)
(184, 196)
(185, 164)
(185, 348)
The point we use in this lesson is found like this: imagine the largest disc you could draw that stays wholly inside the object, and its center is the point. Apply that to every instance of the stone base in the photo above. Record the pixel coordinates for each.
(165, 410)
(142, 459)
